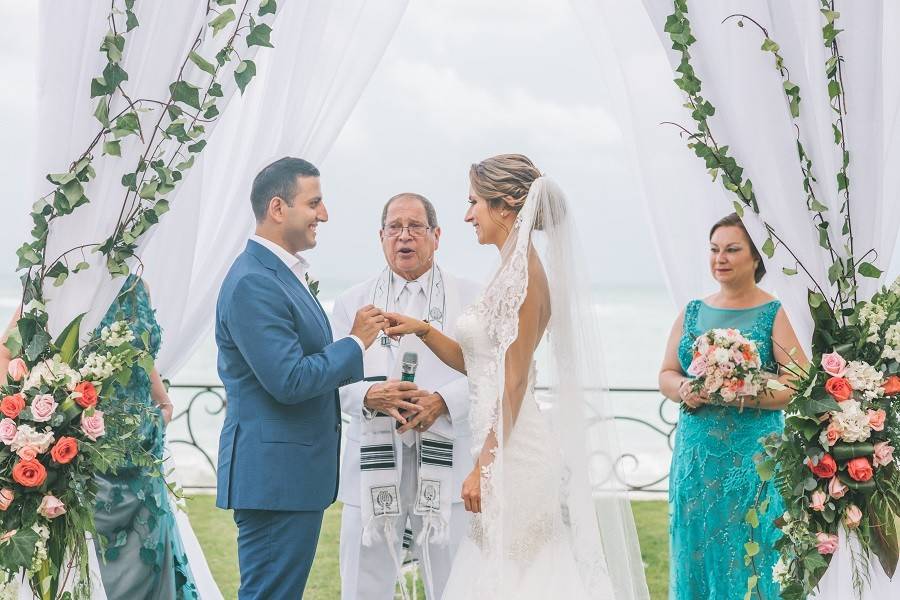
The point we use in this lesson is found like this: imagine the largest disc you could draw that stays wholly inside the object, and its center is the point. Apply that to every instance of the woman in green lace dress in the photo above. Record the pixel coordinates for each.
(143, 557)
(713, 479)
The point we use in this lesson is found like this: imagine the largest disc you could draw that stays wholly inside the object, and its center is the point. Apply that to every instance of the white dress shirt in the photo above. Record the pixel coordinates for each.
(297, 265)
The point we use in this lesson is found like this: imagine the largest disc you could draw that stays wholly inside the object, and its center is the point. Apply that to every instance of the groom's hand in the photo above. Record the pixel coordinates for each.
(432, 406)
(391, 397)
(369, 321)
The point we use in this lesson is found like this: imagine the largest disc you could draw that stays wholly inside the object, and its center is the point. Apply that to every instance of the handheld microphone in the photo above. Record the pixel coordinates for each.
(408, 366)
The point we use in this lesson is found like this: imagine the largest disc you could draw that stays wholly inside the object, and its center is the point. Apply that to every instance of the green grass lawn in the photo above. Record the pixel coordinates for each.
(216, 531)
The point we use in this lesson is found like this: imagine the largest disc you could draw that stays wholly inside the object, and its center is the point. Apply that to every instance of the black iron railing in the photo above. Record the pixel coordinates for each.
(640, 436)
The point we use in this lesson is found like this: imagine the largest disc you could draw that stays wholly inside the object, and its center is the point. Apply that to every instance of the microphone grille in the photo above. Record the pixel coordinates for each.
(411, 357)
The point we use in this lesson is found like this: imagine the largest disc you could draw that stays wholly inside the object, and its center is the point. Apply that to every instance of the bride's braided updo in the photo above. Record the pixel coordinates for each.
(504, 180)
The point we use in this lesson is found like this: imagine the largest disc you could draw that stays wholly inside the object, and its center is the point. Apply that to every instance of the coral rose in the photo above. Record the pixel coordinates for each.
(891, 385)
(65, 450)
(859, 468)
(834, 364)
(826, 467)
(839, 388)
(6, 498)
(17, 369)
(51, 507)
(29, 473)
(876, 419)
(827, 543)
(11, 406)
(87, 394)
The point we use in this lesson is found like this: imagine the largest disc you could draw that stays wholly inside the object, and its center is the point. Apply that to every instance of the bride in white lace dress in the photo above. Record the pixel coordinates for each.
(538, 531)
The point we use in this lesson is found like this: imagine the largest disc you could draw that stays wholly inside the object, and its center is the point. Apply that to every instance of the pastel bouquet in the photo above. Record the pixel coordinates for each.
(837, 466)
(726, 367)
(53, 422)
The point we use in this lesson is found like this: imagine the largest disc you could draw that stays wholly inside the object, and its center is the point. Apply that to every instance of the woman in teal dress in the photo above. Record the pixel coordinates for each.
(143, 558)
(713, 479)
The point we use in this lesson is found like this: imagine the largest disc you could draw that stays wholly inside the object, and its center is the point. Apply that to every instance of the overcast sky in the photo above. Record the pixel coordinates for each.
(461, 80)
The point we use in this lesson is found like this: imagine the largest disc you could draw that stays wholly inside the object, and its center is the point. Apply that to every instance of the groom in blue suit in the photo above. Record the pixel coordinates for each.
(278, 450)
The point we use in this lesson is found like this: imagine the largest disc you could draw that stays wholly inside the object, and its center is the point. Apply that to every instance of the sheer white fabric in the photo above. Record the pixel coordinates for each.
(304, 92)
(540, 533)
(752, 118)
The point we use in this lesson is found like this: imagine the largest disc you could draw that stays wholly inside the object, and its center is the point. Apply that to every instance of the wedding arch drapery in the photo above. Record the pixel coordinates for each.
(305, 89)
(304, 92)
(752, 117)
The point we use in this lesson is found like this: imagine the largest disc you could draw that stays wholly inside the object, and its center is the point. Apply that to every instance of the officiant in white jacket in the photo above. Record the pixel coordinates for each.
(407, 446)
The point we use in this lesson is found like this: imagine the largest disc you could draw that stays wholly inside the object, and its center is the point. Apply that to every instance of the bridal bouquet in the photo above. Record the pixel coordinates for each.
(53, 443)
(726, 367)
(836, 460)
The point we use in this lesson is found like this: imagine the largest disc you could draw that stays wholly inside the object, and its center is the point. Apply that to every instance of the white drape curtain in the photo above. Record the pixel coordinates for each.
(69, 59)
(325, 53)
(305, 89)
(753, 119)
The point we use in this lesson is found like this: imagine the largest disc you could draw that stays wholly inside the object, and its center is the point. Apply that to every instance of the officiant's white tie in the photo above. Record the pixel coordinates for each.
(412, 298)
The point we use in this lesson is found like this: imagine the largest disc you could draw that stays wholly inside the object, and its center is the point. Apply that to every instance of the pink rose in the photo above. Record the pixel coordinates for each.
(852, 516)
(8, 431)
(698, 367)
(92, 425)
(43, 407)
(817, 501)
(7, 536)
(17, 369)
(51, 507)
(876, 419)
(6, 498)
(884, 454)
(27, 452)
(828, 543)
(836, 489)
(832, 434)
(834, 364)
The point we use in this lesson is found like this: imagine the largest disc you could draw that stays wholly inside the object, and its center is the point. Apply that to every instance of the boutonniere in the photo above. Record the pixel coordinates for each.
(313, 285)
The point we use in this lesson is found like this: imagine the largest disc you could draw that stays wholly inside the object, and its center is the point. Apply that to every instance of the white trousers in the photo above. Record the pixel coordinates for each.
(368, 572)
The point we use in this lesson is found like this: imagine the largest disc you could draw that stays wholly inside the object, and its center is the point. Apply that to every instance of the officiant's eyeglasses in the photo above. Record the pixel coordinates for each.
(415, 231)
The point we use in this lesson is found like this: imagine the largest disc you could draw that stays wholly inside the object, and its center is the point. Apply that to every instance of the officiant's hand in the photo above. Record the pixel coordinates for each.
(392, 397)
(399, 325)
(367, 324)
(431, 407)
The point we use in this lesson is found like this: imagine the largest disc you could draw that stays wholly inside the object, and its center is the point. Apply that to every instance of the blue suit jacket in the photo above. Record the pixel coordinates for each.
(279, 446)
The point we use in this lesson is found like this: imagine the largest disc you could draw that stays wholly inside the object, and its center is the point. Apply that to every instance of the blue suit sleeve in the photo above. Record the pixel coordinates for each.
(260, 323)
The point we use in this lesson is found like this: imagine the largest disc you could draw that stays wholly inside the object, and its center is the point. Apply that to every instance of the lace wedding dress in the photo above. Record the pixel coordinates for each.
(548, 527)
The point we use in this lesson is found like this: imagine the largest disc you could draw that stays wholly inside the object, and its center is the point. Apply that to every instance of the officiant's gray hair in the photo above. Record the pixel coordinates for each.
(430, 213)
(278, 179)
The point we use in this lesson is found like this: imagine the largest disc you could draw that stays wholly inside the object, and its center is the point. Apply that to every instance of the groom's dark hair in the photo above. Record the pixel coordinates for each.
(278, 179)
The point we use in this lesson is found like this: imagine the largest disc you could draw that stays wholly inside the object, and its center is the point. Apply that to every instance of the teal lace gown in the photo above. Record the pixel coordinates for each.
(144, 558)
(713, 480)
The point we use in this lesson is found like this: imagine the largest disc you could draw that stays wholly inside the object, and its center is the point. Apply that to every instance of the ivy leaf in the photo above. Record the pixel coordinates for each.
(28, 257)
(243, 73)
(38, 345)
(766, 470)
(752, 548)
(101, 113)
(789, 272)
(869, 270)
(225, 2)
(267, 7)
(768, 247)
(113, 148)
(148, 190)
(752, 518)
(99, 87)
(259, 36)
(18, 551)
(202, 63)
(221, 21)
(216, 90)
(130, 20)
(197, 147)
(113, 75)
(189, 94)
(162, 207)
(769, 45)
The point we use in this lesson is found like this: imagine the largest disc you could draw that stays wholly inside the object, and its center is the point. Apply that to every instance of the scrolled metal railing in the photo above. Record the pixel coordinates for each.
(209, 401)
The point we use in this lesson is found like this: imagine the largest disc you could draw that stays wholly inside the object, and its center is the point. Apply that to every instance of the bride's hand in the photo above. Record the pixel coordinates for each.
(471, 491)
(399, 325)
